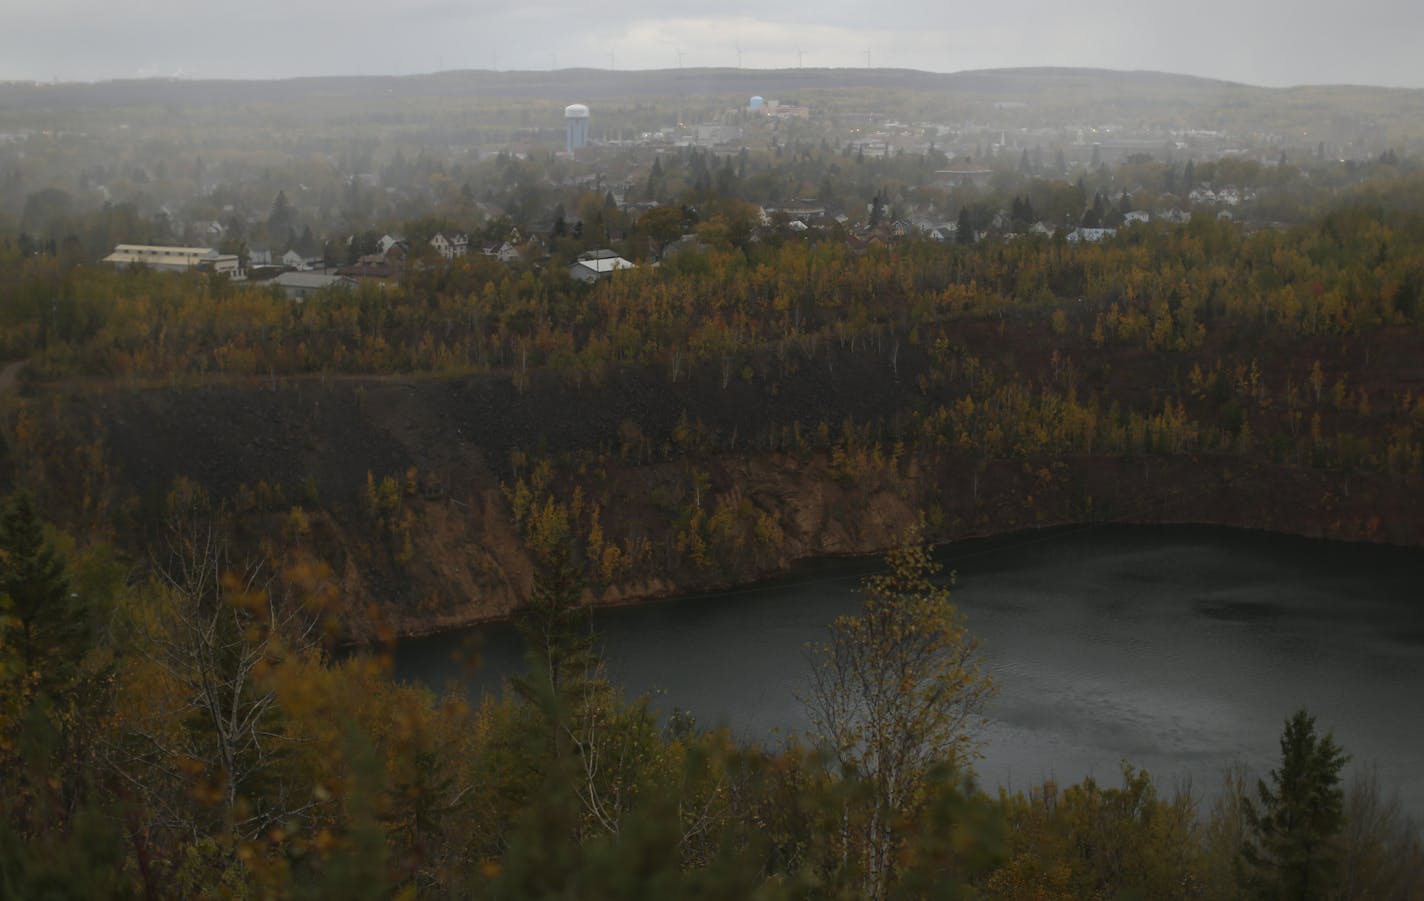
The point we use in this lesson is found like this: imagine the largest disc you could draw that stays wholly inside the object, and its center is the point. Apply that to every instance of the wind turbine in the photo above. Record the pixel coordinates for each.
(867, 57)
(679, 59)
(800, 58)
(739, 54)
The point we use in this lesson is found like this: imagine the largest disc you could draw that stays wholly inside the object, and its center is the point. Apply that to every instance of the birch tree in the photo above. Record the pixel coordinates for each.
(224, 624)
(896, 693)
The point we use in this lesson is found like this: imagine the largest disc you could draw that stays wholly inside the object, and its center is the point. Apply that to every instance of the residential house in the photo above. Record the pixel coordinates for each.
(450, 246)
(1090, 235)
(808, 211)
(504, 251)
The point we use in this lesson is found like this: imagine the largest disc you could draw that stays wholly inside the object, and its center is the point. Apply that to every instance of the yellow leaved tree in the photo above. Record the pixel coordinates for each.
(896, 696)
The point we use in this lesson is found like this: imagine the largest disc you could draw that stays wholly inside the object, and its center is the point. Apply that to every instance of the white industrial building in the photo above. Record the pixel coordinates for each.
(301, 285)
(597, 264)
(177, 259)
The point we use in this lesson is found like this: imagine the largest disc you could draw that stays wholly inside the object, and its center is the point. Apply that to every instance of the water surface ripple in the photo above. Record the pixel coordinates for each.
(1178, 649)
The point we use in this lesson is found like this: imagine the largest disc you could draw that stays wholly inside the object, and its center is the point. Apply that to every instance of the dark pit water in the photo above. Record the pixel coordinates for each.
(1181, 650)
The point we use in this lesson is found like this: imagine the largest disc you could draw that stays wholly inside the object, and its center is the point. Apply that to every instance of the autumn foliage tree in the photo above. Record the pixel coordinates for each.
(897, 692)
(218, 627)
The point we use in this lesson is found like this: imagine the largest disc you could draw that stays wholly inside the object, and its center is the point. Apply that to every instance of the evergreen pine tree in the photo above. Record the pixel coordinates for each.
(557, 629)
(50, 627)
(1293, 822)
(280, 218)
(964, 230)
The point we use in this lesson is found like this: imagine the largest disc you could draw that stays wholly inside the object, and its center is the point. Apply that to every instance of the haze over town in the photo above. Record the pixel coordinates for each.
(1272, 43)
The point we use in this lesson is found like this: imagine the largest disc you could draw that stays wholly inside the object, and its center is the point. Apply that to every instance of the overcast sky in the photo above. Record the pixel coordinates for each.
(1265, 42)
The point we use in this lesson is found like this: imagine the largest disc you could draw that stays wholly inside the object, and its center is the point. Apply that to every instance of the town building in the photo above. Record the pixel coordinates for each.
(176, 259)
(964, 173)
(301, 285)
(450, 246)
(1090, 235)
(596, 265)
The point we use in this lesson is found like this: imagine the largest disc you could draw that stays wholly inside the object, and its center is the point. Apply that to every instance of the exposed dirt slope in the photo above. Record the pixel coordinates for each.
(317, 440)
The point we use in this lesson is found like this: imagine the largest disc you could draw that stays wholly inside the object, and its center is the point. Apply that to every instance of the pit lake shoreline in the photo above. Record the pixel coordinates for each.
(1178, 649)
(865, 563)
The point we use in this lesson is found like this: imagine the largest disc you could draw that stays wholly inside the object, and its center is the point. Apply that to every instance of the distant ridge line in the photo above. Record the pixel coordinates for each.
(597, 84)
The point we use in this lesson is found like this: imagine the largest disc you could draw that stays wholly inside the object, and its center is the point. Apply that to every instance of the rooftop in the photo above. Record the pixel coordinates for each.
(606, 265)
(156, 255)
(309, 280)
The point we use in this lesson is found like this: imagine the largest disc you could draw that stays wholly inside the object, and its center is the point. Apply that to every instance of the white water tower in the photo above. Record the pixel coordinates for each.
(576, 124)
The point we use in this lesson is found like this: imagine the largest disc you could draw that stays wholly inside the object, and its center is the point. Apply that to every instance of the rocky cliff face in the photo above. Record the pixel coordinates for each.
(473, 566)
(408, 485)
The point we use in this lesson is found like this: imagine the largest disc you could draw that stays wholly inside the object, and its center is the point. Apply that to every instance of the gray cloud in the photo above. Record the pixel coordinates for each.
(1272, 42)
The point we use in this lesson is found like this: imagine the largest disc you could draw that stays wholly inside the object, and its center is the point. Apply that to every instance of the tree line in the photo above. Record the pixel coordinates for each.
(180, 726)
